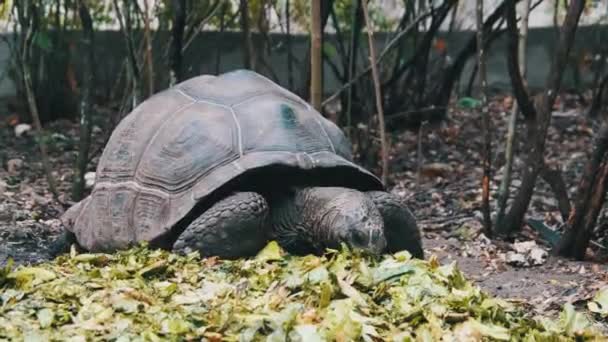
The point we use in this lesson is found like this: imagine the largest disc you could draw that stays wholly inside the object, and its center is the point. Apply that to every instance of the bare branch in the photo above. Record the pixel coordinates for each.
(374, 66)
(381, 56)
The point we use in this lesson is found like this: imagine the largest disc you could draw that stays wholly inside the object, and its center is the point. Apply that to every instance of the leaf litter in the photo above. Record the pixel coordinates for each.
(151, 295)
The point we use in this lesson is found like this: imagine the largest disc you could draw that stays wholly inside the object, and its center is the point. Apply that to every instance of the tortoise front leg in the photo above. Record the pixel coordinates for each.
(63, 243)
(400, 226)
(234, 227)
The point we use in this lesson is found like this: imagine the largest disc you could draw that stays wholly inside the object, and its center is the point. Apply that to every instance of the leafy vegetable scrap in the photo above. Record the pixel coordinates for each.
(153, 295)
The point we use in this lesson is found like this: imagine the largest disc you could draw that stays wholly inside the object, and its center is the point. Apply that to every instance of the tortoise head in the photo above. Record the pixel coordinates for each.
(353, 219)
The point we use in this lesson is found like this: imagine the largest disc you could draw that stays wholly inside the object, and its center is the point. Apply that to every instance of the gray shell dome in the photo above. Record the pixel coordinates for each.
(183, 144)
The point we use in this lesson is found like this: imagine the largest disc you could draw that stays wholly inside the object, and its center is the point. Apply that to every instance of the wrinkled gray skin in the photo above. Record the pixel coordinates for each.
(303, 220)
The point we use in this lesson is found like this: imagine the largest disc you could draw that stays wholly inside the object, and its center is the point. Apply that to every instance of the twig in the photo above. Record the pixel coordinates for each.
(132, 65)
(289, 48)
(374, 66)
(485, 123)
(84, 143)
(381, 56)
(149, 59)
(316, 59)
(245, 29)
(202, 24)
(447, 219)
(352, 57)
(419, 154)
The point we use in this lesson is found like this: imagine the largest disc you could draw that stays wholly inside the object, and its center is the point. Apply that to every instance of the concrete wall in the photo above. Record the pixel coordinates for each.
(201, 56)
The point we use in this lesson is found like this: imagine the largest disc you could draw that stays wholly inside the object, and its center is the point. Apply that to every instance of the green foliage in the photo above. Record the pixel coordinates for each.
(469, 102)
(599, 304)
(343, 8)
(142, 294)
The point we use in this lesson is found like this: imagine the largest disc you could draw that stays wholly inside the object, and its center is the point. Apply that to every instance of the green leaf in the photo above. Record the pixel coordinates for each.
(329, 50)
(45, 317)
(599, 303)
(43, 41)
(124, 304)
(305, 333)
(573, 322)
(153, 295)
(469, 102)
(271, 252)
(175, 326)
(339, 324)
(390, 270)
(27, 277)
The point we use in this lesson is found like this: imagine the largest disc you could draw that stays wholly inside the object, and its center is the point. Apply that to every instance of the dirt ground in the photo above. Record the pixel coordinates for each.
(442, 186)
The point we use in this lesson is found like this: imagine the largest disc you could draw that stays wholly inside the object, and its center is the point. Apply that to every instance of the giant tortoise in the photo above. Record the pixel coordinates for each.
(223, 164)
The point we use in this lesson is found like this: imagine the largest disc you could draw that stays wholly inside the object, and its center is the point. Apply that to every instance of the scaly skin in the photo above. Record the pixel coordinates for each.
(400, 227)
(233, 227)
(309, 220)
(302, 220)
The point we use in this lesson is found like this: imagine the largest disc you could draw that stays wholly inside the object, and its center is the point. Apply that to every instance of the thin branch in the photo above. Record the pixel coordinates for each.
(215, 7)
(519, 89)
(148, 54)
(85, 101)
(378, 91)
(245, 29)
(316, 59)
(485, 122)
(132, 65)
(28, 18)
(381, 56)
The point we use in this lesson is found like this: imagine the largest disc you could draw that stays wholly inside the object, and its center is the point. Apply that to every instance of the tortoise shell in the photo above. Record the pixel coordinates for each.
(185, 143)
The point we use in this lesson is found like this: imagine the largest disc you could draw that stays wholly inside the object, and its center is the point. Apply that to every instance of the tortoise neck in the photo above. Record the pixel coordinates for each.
(302, 219)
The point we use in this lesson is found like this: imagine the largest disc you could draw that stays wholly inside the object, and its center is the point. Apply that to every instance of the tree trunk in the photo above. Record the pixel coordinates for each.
(316, 60)
(177, 31)
(352, 59)
(289, 47)
(29, 20)
(503, 192)
(306, 73)
(247, 42)
(578, 227)
(222, 28)
(148, 40)
(485, 122)
(537, 133)
(85, 101)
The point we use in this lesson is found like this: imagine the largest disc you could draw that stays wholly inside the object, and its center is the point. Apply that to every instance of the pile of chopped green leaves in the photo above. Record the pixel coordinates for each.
(151, 295)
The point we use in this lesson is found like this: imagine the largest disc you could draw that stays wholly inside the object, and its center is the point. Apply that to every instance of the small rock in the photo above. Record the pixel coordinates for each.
(5, 213)
(524, 247)
(13, 166)
(3, 186)
(54, 225)
(527, 253)
(538, 256)
(516, 259)
(21, 215)
(89, 179)
(20, 129)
